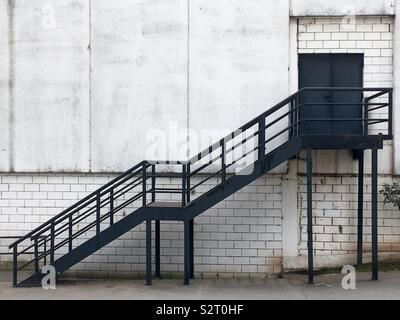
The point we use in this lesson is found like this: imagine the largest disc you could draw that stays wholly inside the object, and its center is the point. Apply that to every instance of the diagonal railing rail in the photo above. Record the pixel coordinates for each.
(209, 169)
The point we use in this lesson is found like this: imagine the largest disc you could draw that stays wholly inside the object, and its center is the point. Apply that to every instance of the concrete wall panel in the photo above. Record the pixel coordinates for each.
(51, 120)
(239, 59)
(4, 86)
(139, 81)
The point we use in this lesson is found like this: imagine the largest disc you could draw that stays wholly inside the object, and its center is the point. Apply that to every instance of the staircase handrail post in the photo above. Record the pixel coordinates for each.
(15, 265)
(301, 124)
(365, 115)
(223, 160)
(70, 221)
(36, 248)
(98, 213)
(390, 113)
(52, 235)
(184, 195)
(144, 185)
(261, 138)
(111, 206)
(153, 183)
(188, 175)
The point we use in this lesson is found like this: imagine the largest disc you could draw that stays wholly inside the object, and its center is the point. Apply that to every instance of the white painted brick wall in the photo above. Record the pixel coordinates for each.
(335, 216)
(241, 235)
(372, 36)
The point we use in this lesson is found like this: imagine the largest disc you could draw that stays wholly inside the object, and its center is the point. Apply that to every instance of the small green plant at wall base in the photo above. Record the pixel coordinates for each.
(392, 194)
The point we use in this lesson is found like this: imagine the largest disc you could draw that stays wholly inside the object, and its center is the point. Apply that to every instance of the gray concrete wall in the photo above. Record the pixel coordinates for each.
(139, 78)
(49, 94)
(93, 80)
(237, 51)
(87, 85)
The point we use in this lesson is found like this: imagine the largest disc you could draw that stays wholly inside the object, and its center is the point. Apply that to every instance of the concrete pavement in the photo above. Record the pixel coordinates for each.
(291, 286)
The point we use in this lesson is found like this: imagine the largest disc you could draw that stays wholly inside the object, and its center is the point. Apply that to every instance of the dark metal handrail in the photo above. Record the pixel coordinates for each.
(144, 175)
(91, 195)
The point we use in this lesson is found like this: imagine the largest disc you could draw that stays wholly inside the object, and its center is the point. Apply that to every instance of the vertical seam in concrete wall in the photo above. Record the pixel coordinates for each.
(11, 81)
(90, 85)
(188, 81)
(396, 85)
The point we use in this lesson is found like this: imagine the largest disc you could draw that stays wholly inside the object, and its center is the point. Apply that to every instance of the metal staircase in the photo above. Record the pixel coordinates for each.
(138, 195)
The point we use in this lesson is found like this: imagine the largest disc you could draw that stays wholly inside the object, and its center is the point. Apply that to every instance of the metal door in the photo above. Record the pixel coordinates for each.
(331, 70)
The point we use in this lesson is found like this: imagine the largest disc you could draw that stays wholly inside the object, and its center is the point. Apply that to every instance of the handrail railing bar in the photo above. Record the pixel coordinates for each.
(25, 249)
(90, 226)
(377, 95)
(343, 119)
(210, 162)
(270, 124)
(77, 219)
(129, 201)
(362, 89)
(376, 108)
(126, 178)
(81, 218)
(244, 155)
(125, 190)
(130, 182)
(104, 202)
(205, 180)
(202, 167)
(166, 162)
(164, 175)
(345, 104)
(83, 230)
(245, 140)
(10, 253)
(30, 246)
(65, 227)
(377, 121)
(283, 131)
(168, 189)
(25, 265)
